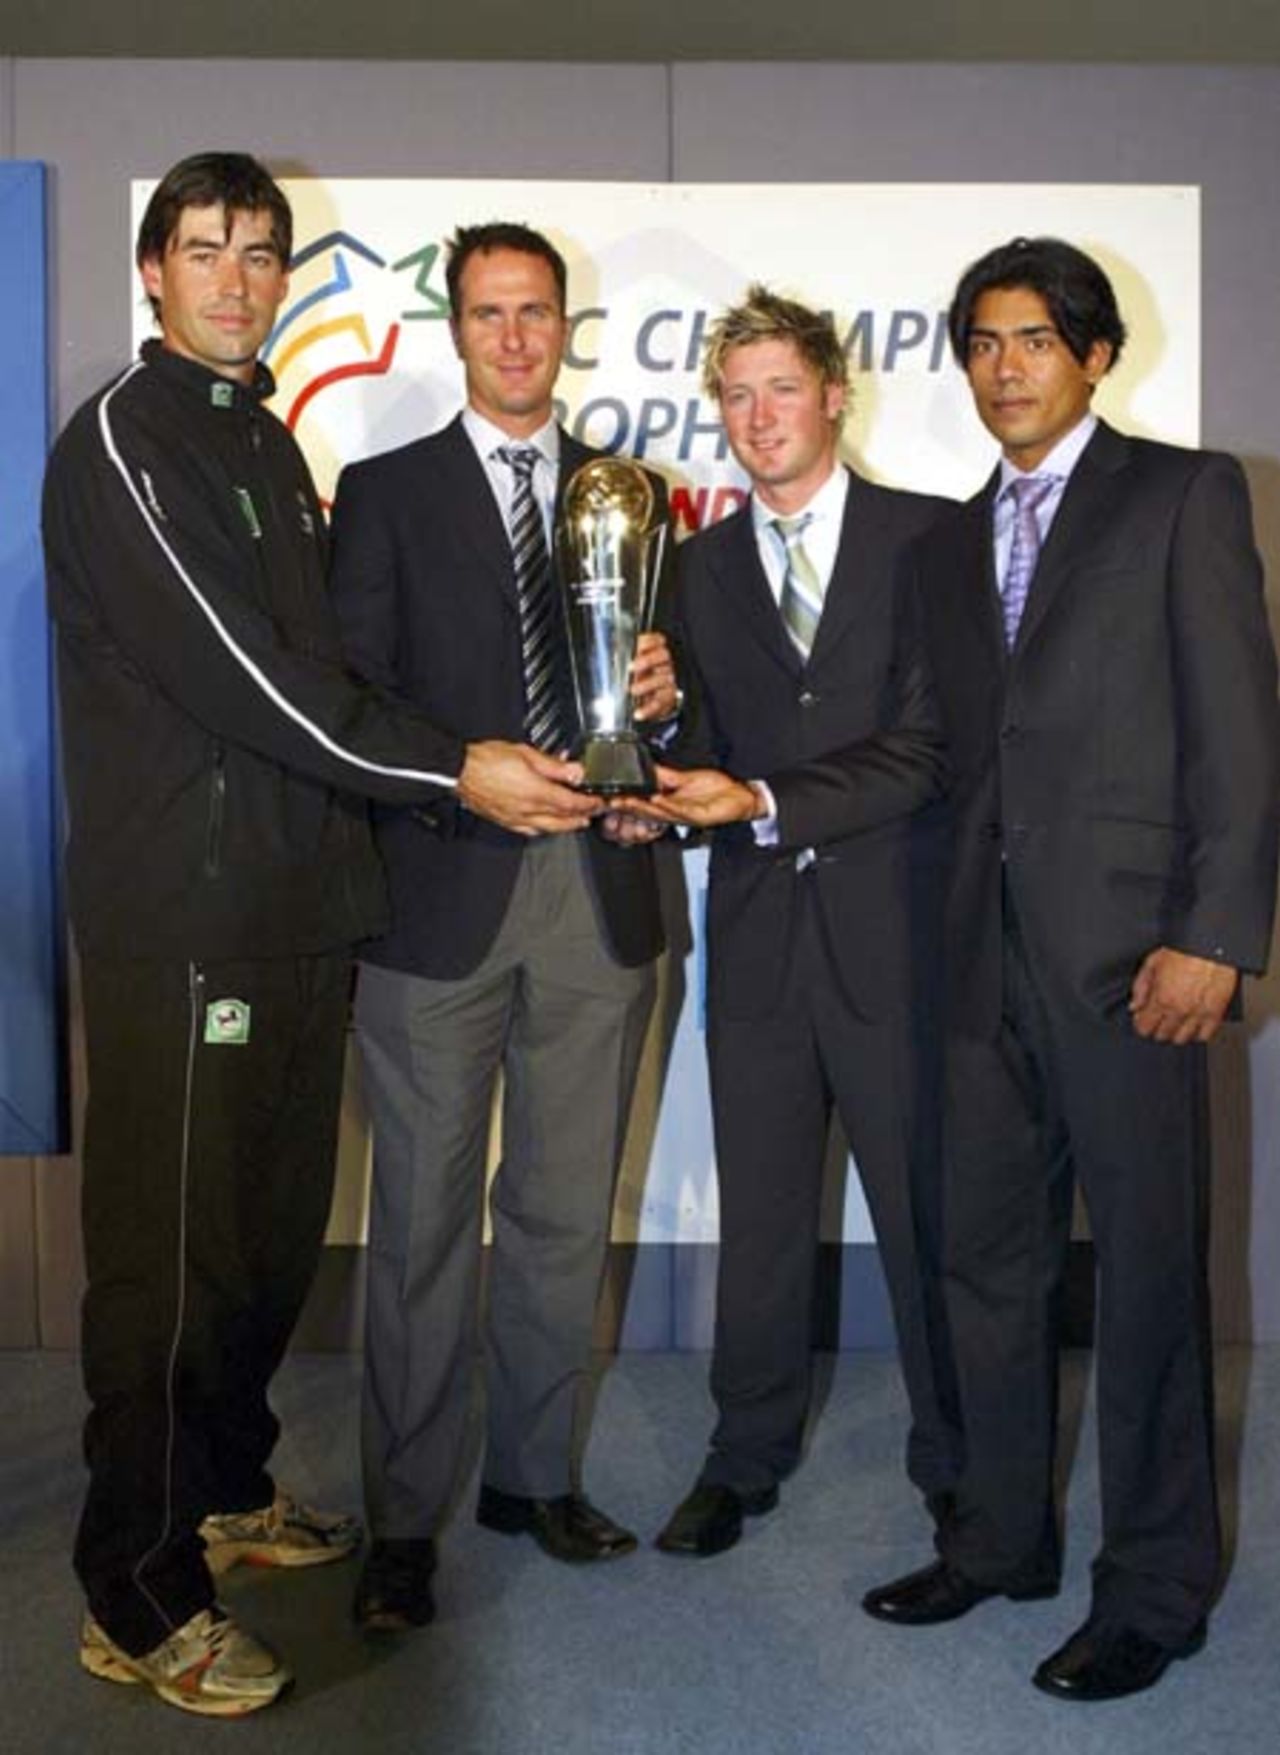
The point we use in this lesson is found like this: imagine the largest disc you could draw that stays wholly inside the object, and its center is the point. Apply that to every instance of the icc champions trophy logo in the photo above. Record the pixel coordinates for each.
(347, 321)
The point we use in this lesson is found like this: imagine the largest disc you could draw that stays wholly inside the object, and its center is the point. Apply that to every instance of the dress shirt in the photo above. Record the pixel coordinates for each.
(821, 537)
(486, 438)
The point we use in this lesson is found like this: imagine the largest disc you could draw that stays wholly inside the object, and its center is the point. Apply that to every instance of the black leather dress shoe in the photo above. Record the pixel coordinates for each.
(394, 1592)
(938, 1593)
(567, 1528)
(1106, 1663)
(709, 1519)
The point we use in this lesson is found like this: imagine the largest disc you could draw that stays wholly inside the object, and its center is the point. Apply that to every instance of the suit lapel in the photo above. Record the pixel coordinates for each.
(976, 594)
(472, 503)
(1083, 520)
(859, 556)
(741, 580)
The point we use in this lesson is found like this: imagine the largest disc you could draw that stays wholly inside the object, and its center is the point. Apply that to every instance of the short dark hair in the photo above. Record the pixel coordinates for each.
(1080, 298)
(499, 234)
(230, 180)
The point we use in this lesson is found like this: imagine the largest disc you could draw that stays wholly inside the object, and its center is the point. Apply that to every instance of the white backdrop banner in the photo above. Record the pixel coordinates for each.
(363, 361)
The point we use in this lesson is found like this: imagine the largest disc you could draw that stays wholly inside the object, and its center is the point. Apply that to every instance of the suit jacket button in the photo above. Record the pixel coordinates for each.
(1010, 733)
(808, 698)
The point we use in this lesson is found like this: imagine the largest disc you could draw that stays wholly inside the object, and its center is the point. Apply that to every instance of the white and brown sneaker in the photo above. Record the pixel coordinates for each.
(209, 1666)
(284, 1533)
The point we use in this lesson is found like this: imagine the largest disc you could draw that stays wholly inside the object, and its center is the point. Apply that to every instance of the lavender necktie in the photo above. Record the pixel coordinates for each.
(1029, 492)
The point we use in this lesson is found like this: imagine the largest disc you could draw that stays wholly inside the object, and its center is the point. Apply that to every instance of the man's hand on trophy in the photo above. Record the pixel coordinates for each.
(700, 798)
(653, 679)
(522, 789)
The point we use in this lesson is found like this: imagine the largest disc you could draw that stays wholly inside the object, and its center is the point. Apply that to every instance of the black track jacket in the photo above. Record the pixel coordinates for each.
(215, 749)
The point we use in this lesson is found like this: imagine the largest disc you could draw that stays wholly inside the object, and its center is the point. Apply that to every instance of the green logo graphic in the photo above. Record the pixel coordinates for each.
(226, 1023)
(436, 304)
(245, 500)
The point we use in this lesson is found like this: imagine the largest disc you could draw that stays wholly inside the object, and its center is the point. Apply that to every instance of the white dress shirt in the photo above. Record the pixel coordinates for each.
(486, 438)
(821, 536)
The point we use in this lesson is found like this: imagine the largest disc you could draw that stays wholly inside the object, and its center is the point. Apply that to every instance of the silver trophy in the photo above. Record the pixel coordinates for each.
(609, 558)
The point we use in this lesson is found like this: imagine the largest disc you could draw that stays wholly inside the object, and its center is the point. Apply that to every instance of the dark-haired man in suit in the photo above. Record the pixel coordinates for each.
(1108, 686)
(824, 902)
(529, 957)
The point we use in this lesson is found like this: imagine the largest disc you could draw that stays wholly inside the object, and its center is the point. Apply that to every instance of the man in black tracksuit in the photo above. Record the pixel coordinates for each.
(216, 758)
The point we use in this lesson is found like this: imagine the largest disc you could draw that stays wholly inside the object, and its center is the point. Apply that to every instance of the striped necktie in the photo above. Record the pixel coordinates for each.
(547, 721)
(1028, 493)
(801, 600)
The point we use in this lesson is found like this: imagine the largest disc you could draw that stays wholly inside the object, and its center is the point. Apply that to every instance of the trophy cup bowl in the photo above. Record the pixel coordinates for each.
(608, 558)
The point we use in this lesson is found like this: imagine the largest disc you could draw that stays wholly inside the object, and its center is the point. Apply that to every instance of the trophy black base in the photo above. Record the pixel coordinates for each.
(617, 765)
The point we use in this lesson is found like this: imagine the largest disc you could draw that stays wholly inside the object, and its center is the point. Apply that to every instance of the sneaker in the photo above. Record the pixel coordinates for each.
(209, 1666)
(284, 1533)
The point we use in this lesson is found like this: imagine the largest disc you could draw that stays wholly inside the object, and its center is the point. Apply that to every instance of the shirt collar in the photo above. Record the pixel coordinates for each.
(1060, 462)
(486, 437)
(827, 503)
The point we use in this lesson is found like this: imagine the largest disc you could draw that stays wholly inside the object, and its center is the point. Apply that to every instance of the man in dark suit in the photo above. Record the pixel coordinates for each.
(1101, 650)
(824, 907)
(529, 957)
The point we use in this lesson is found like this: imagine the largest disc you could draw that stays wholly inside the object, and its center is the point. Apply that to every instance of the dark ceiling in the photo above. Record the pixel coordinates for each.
(1145, 31)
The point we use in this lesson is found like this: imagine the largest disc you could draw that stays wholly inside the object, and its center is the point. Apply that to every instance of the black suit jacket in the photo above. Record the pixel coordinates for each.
(426, 595)
(1121, 766)
(848, 742)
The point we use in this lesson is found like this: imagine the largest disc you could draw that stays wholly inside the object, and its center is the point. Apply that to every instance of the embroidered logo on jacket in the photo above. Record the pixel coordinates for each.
(226, 1023)
(245, 501)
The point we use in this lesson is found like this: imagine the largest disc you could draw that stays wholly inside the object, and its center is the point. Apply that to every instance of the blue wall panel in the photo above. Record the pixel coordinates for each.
(32, 1085)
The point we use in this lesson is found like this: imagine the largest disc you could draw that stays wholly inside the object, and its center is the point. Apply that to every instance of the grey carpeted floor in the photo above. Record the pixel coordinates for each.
(762, 1651)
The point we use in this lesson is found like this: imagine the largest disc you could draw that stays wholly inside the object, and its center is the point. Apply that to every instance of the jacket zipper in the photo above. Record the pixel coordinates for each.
(217, 810)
